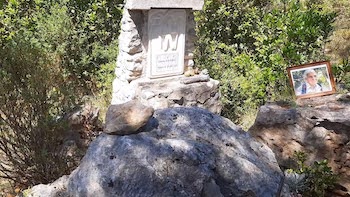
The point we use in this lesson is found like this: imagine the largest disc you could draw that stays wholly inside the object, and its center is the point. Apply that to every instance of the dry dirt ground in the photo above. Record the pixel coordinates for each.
(5, 187)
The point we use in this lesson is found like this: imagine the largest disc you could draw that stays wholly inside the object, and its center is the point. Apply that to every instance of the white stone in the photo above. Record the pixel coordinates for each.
(134, 66)
(147, 95)
(158, 103)
(122, 92)
(190, 63)
(127, 24)
(167, 42)
(130, 42)
(148, 4)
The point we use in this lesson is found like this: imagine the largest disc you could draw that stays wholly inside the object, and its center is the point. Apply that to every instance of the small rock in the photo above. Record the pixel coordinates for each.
(127, 118)
(189, 72)
(204, 72)
(344, 97)
(55, 189)
(195, 79)
(147, 95)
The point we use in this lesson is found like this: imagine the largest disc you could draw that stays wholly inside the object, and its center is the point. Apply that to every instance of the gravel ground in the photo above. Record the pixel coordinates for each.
(5, 188)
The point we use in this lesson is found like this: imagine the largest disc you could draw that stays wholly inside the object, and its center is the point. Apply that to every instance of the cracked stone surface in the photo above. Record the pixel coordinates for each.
(319, 126)
(181, 152)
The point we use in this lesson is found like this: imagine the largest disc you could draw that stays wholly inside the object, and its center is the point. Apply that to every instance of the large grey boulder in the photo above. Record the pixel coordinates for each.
(182, 152)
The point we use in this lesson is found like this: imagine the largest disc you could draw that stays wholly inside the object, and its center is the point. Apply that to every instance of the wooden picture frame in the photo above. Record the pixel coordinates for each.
(311, 80)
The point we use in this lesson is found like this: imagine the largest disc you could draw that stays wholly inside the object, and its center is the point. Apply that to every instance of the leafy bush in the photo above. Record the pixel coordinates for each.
(341, 73)
(52, 54)
(315, 179)
(338, 48)
(32, 96)
(82, 35)
(248, 45)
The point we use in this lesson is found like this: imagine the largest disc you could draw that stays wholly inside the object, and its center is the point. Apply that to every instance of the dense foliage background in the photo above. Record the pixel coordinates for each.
(54, 53)
(248, 45)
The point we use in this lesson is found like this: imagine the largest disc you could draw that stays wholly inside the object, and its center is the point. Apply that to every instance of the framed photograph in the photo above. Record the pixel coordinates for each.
(311, 80)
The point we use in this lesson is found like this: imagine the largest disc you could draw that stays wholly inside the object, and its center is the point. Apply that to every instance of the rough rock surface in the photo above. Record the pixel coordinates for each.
(182, 152)
(165, 93)
(318, 126)
(127, 118)
(172, 92)
(55, 189)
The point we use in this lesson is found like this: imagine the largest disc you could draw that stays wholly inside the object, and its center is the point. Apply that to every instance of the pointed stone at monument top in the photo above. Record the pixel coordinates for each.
(148, 4)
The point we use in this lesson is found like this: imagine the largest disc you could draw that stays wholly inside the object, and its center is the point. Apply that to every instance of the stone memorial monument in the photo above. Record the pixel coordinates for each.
(155, 61)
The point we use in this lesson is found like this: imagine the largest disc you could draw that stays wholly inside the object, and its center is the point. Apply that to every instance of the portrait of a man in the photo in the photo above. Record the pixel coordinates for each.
(310, 84)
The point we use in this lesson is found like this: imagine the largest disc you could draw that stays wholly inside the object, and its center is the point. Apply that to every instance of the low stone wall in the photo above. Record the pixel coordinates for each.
(174, 92)
(180, 91)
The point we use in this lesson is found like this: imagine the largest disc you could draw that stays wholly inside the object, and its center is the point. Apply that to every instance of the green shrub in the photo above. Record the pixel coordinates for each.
(317, 178)
(52, 54)
(248, 45)
(82, 35)
(341, 73)
(33, 94)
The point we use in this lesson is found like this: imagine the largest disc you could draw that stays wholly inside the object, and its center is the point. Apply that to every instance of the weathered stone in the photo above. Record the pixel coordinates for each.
(212, 104)
(131, 42)
(122, 92)
(190, 71)
(171, 93)
(204, 72)
(127, 26)
(125, 57)
(134, 67)
(147, 5)
(194, 79)
(127, 23)
(158, 102)
(344, 97)
(127, 118)
(186, 152)
(205, 96)
(318, 126)
(55, 189)
(147, 95)
(276, 115)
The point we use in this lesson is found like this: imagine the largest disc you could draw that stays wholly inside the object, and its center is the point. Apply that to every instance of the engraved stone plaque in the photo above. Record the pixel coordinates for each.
(166, 29)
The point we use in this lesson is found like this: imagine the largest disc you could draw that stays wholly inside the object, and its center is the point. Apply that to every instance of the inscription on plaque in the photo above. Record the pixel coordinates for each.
(167, 62)
(166, 42)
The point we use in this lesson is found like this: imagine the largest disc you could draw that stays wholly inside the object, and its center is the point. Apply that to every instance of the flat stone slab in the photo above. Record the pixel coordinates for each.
(148, 4)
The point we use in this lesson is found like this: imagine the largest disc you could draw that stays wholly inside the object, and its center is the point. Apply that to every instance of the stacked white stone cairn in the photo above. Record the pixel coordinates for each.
(156, 46)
